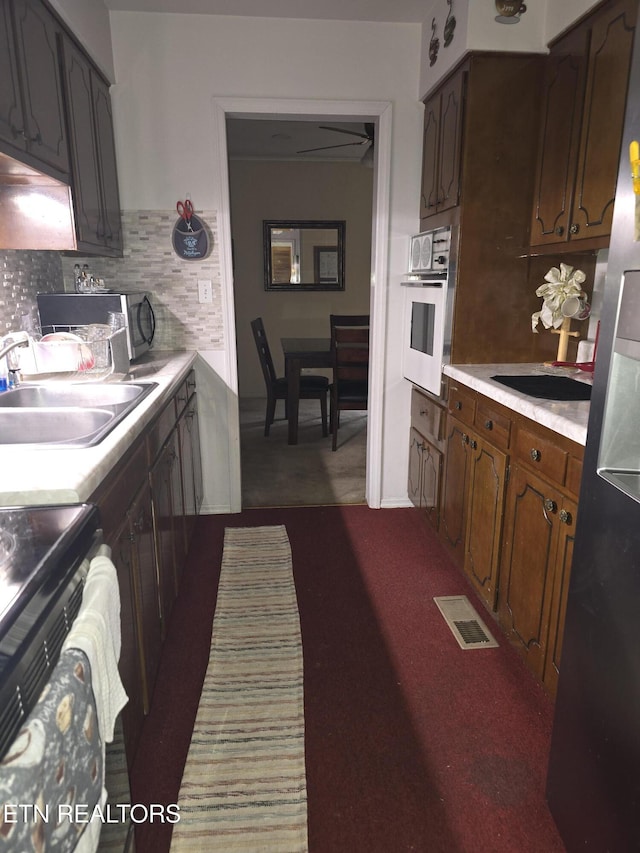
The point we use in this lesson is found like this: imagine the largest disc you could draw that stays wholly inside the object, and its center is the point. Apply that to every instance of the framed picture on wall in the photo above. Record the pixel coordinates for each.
(303, 254)
(325, 263)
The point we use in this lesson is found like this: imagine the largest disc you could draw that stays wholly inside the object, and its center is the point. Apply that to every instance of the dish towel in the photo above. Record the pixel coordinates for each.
(55, 762)
(96, 630)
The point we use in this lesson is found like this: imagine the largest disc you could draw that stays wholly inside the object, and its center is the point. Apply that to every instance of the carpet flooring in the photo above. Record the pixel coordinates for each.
(243, 787)
(412, 744)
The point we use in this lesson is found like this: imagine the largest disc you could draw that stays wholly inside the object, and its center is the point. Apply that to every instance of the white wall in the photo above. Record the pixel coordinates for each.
(477, 29)
(169, 67)
(89, 21)
(561, 15)
(286, 190)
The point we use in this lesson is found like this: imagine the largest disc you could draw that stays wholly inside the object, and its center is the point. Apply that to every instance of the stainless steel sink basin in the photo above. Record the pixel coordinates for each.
(66, 416)
(82, 395)
(52, 426)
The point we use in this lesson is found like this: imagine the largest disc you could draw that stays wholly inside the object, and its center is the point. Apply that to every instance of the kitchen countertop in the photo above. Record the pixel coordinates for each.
(32, 475)
(569, 419)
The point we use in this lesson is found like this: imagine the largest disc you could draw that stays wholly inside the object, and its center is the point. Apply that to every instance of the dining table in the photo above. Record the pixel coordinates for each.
(300, 353)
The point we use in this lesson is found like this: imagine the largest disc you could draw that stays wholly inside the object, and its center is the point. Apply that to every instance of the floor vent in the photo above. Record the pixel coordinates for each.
(465, 624)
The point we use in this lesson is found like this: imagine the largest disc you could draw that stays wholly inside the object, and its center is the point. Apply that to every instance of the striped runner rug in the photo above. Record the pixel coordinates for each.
(244, 787)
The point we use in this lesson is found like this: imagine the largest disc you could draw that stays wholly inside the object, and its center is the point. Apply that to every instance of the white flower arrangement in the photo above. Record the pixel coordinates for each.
(559, 285)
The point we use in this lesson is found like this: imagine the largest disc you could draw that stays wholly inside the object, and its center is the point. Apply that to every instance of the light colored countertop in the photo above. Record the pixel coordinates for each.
(567, 418)
(32, 475)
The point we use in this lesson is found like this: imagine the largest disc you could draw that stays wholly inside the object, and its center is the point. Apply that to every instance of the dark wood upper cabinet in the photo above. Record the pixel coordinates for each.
(582, 117)
(11, 121)
(112, 222)
(93, 161)
(442, 145)
(32, 119)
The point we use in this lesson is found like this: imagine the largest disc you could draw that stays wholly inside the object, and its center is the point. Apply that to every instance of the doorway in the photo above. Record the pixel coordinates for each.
(329, 112)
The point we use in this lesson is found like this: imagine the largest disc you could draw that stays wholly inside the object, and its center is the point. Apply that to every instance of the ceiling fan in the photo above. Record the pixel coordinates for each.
(366, 138)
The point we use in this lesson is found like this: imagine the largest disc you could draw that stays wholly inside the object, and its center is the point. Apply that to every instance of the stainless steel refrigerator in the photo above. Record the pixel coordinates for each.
(593, 784)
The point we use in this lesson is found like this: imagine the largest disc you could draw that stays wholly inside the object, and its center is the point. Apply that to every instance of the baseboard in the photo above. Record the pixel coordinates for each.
(395, 503)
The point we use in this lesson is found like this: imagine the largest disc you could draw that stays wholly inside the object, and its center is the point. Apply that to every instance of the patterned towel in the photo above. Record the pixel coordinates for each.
(54, 766)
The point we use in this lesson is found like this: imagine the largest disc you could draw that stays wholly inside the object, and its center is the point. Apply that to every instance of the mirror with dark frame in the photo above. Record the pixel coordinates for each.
(303, 254)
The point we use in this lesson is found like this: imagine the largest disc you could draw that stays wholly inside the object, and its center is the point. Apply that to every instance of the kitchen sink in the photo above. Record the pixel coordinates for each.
(74, 416)
(547, 387)
(52, 426)
(80, 395)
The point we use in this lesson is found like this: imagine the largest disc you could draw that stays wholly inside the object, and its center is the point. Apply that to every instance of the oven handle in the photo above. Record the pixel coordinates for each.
(423, 283)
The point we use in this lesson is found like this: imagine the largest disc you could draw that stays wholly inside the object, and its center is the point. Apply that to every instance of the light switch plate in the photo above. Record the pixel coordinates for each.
(205, 293)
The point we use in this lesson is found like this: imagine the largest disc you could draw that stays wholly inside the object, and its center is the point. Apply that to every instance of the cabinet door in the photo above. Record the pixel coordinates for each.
(450, 144)
(130, 665)
(559, 138)
(111, 230)
(416, 442)
(527, 569)
(193, 425)
(430, 482)
(566, 539)
(146, 585)
(603, 120)
(86, 186)
(165, 527)
(487, 479)
(189, 458)
(425, 475)
(431, 134)
(454, 489)
(11, 118)
(37, 51)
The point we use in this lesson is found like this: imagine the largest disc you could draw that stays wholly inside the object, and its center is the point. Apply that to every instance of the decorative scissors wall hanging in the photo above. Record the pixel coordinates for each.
(190, 238)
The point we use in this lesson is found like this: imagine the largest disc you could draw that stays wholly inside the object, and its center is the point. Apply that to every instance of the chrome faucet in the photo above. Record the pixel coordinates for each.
(8, 344)
(11, 341)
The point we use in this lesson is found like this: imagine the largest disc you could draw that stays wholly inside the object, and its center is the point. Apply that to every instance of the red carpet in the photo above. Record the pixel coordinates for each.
(412, 743)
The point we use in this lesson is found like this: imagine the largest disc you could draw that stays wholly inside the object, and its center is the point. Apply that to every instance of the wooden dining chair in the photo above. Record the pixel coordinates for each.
(350, 359)
(312, 387)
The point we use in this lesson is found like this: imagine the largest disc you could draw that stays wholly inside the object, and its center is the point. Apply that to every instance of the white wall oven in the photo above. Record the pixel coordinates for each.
(428, 309)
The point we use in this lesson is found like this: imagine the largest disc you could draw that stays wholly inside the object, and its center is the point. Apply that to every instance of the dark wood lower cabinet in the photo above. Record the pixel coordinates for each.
(122, 551)
(526, 583)
(425, 475)
(539, 525)
(167, 523)
(560, 593)
(507, 517)
(142, 515)
(453, 514)
(485, 506)
(145, 579)
(191, 468)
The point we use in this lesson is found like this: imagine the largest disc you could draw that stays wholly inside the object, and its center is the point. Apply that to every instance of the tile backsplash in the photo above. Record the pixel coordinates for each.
(149, 263)
(23, 275)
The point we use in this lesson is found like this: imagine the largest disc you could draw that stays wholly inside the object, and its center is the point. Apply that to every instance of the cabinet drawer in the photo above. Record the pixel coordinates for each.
(492, 424)
(426, 416)
(182, 395)
(462, 404)
(541, 454)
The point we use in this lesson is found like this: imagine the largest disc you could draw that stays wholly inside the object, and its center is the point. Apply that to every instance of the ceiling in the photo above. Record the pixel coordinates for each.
(270, 139)
(398, 11)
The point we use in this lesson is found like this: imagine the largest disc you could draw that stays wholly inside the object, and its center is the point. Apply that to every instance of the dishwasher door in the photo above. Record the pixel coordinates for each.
(45, 554)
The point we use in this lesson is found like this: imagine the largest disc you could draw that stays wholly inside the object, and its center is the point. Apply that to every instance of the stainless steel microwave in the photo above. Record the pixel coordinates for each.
(79, 309)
